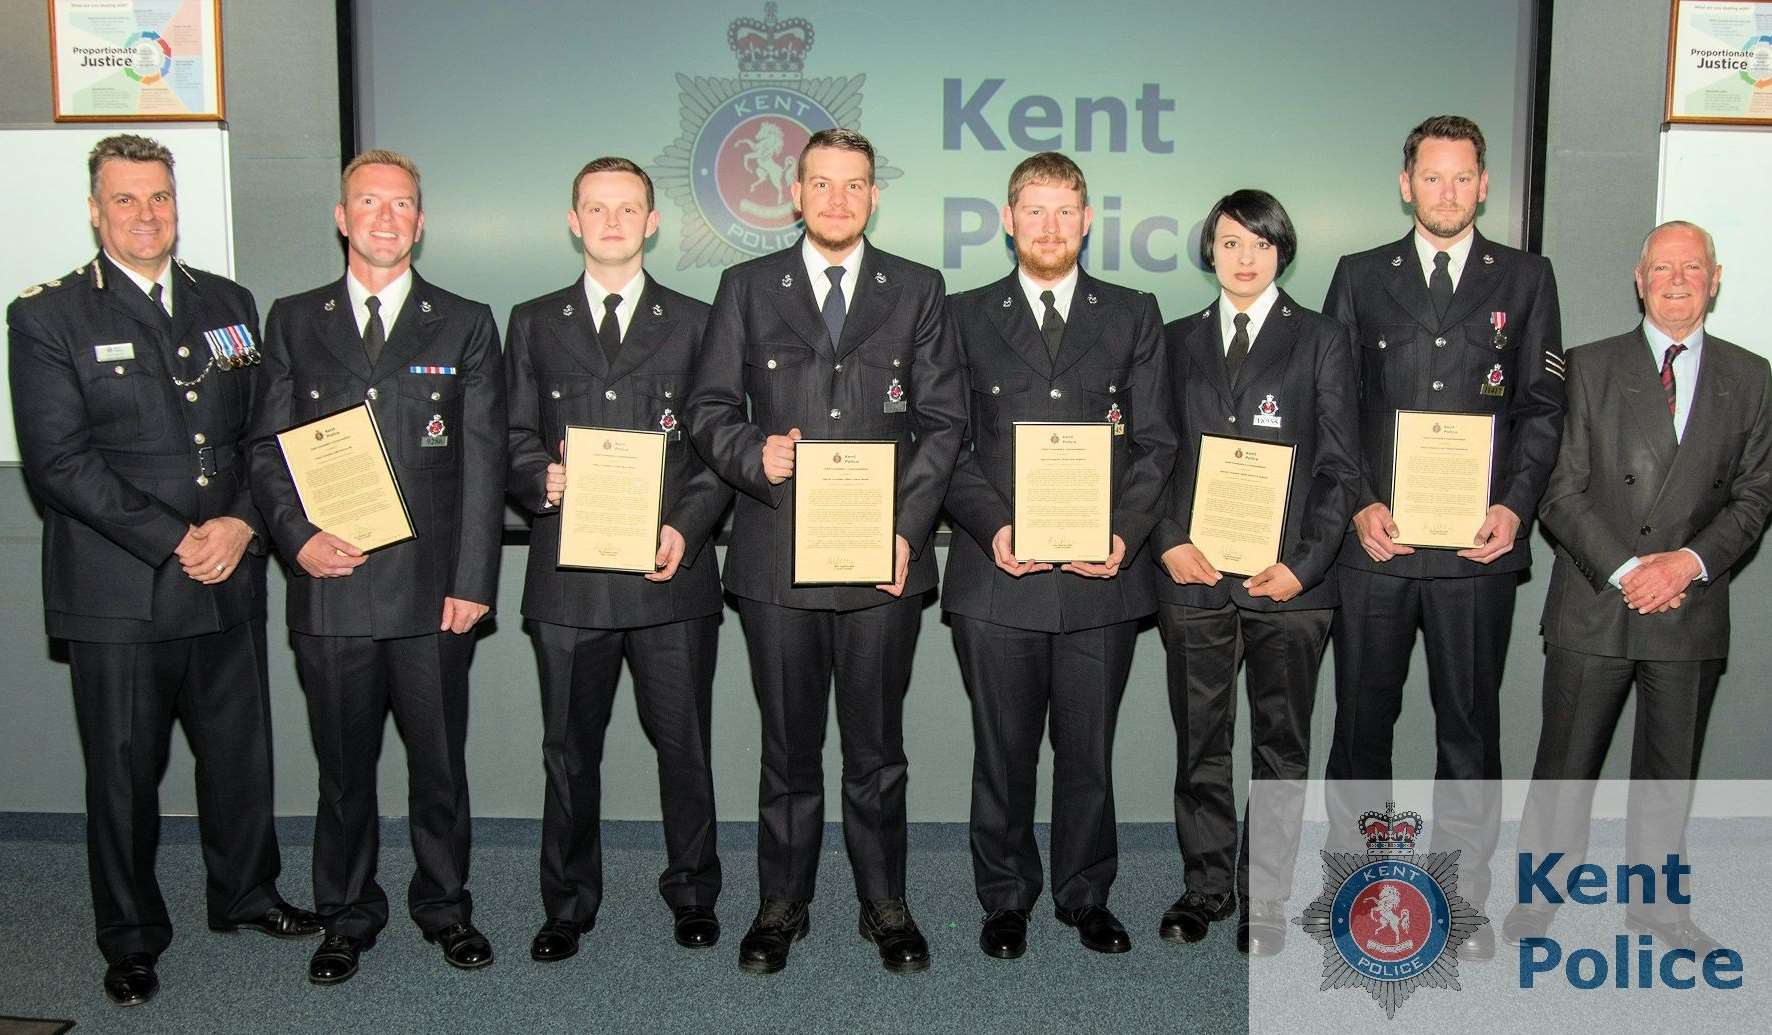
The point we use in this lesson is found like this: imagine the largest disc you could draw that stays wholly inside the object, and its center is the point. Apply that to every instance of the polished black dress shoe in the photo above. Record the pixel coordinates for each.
(1097, 928)
(336, 958)
(779, 924)
(887, 923)
(1524, 922)
(1261, 928)
(131, 981)
(557, 940)
(1004, 934)
(1479, 944)
(695, 927)
(282, 920)
(463, 946)
(1680, 934)
(1192, 915)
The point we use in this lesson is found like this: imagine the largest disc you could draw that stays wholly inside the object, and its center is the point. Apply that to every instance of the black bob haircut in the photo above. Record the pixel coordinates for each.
(1262, 213)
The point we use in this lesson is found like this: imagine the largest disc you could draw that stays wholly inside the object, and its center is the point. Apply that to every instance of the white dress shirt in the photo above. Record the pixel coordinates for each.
(1425, 250)
(624, 310)
(1062, 292)
(1257, 313)
(147, 286)
(392, 298)
(817, 264)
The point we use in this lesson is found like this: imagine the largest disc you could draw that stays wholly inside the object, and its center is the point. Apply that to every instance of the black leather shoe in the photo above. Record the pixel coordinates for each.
(557, 940)
(1097, 928)
(695, 927)
(1681, 934)
(887, 923)
(779, 924)
(131, 981)
(1479, 944)
(463, 946)
(282, 920)
(1192, 914)
(1524, 922)
(1004, 934)
(336, 959)
(1261, 928)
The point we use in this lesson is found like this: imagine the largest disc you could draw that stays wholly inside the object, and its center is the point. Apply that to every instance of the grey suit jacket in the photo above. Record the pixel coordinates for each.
(1623, 487)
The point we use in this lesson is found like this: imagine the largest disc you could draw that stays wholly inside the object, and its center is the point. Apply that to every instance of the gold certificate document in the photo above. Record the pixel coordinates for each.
(845, 514)
(343, 478)
(614, 499)
(1440, 477)
(1063, 507)
(1240, 494)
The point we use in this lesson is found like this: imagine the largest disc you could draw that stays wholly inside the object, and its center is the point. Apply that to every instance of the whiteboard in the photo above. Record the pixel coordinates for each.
(52, 233)
(1716, 176)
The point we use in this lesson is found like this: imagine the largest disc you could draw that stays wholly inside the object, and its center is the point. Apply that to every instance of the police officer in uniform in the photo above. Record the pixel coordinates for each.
(616, 349)
(132, 382)
(389, 629)
(829, 338)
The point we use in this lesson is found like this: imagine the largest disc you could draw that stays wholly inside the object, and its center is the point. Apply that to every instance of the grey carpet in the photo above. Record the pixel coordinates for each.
(629, 975)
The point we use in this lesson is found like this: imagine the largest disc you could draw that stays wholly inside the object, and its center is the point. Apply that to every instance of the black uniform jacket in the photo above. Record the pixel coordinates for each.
(556, 375)
(440, 365)
(1623, 487)
(124, 460)
(1297, 388)
(1111, 367)
(1409, 359)
(895, 376)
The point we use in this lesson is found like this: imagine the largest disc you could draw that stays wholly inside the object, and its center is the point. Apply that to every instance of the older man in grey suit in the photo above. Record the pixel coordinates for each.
(1663, 482)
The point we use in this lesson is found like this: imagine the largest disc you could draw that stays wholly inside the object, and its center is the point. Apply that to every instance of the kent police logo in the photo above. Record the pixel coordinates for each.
(1390, 921)
(732, 169)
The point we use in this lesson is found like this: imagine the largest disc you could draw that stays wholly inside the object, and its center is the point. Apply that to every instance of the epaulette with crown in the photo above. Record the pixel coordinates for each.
(63, 281)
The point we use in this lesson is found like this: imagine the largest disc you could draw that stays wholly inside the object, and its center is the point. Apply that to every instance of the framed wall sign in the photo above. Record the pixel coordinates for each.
(1719, 62)
(136, 60)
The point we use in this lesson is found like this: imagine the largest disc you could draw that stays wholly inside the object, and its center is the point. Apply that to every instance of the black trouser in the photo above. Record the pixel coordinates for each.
(1283, 650)
(794, 655)
(673, 666)
(351, 682)
(126, 696)
(1015, 678)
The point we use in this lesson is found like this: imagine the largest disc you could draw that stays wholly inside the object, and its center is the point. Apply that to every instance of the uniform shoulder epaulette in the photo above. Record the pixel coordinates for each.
(54, 285)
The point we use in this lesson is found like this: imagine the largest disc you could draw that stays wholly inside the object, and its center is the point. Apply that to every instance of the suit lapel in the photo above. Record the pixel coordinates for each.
(1018, 326)
(1279, 333)
(870, 301)
(1484, 271)
(1408, 286)
(1709, 397)
(187, 304)
(575, 330)
(412, 329)
(339, 333)
(1084, 326)
(122, 294)
(1205, 351)
(791, 293)
(1647, 403)
(651, 324)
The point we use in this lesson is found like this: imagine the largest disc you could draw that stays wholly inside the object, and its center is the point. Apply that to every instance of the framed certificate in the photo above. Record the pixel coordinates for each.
(1063, 506)
(1719, 62)
(1241, 491)
(614, 499)
(845, 512)
(1440, 477)
(136, 60)
(344, 480)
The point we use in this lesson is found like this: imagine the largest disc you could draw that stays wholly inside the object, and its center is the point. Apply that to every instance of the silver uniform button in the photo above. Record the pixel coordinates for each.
(610, 395)
(1056, 394)
(770, 364)
(667, 393)
(1439, 343)
(120, 370)
(1383, 344)
(184, 352)
(836, 414)
(1439, 386)
(202, 479)
(313, 393)
(199, 438)
(996, 389)
(555, 393)
(1112, 389)
(895, 361)
(373, 394)
(1231, 419)
(191, 396)
(436, 395)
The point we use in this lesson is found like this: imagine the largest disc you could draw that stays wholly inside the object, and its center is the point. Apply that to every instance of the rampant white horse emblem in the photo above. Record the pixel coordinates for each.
(763, 158)
(1385, 912)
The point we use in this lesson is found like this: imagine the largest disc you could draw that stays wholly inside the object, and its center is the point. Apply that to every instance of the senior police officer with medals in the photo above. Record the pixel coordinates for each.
(830, 338)
(131, 419)
(1443, 320)
(617, 349)
(1254, 365)
(390, 629)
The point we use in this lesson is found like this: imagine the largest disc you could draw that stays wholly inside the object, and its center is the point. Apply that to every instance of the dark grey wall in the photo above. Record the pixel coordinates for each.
(283, 107)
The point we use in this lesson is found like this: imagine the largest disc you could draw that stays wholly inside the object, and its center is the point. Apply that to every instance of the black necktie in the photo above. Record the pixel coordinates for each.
(1239, 349)
(834, 309)
(158, 294)
(374, 334)
(1051, 325)
(609, 331)
(1439, 284)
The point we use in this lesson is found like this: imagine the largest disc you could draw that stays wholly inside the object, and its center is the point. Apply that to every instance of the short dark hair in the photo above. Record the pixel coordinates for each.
(125, 147)
(611, 164)
(839, 139)
(1051, 168)
(1444, 127)
(1262, 213)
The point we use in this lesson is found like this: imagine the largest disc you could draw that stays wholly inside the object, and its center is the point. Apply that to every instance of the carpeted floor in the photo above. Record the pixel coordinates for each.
(629, 975)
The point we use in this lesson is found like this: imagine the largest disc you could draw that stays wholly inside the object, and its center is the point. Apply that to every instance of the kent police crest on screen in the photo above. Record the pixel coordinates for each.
(1631, 961)
(979, 115)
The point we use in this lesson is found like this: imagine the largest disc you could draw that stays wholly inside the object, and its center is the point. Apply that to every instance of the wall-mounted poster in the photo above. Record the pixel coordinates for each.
(136, 60)
(1719, 62)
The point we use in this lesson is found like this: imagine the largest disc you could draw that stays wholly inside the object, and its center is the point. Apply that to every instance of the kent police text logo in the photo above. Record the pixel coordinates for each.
(732, 168)
(1390, 921)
